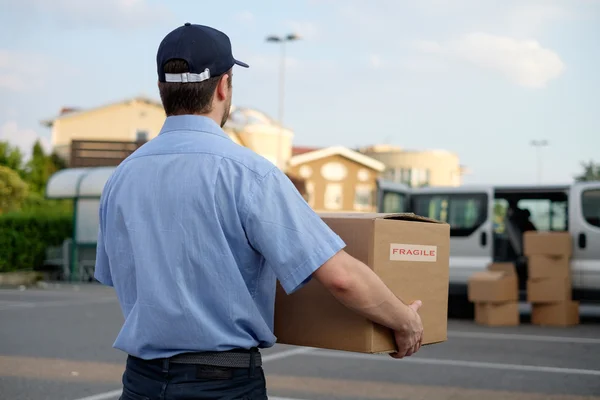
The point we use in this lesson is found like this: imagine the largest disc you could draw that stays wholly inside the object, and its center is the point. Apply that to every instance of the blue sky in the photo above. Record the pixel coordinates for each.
(481, 78)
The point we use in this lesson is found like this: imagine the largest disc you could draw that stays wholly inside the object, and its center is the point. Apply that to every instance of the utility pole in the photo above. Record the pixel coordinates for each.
(282, 41)
(538, 144)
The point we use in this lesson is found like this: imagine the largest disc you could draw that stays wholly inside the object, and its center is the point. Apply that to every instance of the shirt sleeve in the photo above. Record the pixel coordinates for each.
(291, 237)
(102, 266)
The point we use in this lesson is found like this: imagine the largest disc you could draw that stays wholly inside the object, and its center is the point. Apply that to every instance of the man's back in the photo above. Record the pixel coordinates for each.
(186, 276)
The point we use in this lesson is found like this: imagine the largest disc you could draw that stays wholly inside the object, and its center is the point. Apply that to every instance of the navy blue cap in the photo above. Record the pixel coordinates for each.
(206, 50)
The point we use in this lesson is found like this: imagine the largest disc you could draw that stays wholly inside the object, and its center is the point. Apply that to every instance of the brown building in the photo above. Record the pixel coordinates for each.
(337, 178)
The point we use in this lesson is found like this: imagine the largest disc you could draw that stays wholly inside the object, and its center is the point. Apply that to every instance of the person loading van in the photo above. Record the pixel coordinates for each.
(194, 232)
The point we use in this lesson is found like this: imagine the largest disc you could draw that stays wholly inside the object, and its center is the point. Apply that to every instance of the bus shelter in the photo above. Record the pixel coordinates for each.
(84, 187)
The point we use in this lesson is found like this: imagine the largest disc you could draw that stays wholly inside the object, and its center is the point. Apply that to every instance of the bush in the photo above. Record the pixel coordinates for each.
(35, 202)
(13, 190)
(25, 236)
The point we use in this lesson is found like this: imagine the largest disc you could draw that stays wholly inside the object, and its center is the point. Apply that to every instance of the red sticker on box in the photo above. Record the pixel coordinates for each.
(413, 252)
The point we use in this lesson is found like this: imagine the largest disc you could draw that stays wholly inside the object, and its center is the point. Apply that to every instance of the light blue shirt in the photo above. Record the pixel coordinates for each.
(195, 230)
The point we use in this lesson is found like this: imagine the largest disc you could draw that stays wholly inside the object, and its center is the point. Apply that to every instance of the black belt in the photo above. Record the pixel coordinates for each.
(231, 359)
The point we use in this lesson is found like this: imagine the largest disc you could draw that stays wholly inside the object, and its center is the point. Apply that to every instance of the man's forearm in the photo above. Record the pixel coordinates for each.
(362, 290)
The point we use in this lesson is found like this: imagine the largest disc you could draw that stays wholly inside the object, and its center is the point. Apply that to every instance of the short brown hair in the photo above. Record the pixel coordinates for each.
(187, 98)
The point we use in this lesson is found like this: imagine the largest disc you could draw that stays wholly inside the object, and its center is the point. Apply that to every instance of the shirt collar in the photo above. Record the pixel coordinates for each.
(189, 122)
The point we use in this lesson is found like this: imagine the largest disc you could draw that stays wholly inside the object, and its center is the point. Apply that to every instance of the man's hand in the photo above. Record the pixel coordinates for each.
(410, 339)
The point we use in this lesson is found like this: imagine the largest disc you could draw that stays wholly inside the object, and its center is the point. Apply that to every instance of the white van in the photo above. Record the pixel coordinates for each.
(483, 227)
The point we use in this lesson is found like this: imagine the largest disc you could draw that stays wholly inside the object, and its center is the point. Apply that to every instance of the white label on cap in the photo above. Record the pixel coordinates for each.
(413, 252)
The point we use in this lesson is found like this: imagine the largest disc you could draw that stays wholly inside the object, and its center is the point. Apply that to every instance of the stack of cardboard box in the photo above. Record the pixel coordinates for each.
(549, 286)
(495, 293)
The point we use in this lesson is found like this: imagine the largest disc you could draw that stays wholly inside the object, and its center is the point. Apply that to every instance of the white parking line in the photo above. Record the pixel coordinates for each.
(515, 336)
(104, 396)
(56, 303)
(456, 363)
(269, 357)
(116, 393)
(286, 353)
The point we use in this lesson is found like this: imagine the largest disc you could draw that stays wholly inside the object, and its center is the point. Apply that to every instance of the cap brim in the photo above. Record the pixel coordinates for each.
(241, 64)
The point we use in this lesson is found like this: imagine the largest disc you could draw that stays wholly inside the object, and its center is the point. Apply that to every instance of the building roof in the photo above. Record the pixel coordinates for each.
(380, 148)
(297, 150)
(67, 112)
(337, 150)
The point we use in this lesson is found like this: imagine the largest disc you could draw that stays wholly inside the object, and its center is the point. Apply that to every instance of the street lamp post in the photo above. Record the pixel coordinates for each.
(281, 40)
(538, 144)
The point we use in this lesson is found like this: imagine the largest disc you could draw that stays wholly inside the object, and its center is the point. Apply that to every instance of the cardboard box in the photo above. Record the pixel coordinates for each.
(409, 253)
(547, 243)
(499, 284)
(555, 314)
(549, 290)
(500, 314)
(541, 266)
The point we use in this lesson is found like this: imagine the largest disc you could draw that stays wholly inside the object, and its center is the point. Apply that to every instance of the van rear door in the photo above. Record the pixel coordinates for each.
(584, 226)
(469, 211)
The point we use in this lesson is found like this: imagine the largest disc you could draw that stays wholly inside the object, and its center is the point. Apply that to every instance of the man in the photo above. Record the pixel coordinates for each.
(194, 232)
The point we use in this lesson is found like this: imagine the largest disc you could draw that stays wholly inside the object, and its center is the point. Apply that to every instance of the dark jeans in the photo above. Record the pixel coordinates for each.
(164, 380)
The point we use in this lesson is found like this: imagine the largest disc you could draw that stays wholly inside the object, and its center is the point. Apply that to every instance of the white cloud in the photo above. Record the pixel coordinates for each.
(22, 138)
(524, 62)
(26, 71)
(120, 14)
(20, 72)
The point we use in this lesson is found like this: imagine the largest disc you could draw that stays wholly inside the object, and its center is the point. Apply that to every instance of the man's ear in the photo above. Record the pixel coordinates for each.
(223, 87)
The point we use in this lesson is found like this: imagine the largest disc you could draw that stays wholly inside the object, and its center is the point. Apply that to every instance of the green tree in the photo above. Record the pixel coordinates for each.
(11, 157)
(41, 166)
(57, 162)
(591, 172)
(13, 190)
(38, 168)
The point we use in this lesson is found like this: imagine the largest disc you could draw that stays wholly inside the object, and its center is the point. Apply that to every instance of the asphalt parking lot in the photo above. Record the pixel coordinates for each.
(55, 344)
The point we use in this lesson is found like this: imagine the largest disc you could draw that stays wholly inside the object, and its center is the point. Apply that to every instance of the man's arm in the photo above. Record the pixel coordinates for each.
(298, 245)
(356, 286)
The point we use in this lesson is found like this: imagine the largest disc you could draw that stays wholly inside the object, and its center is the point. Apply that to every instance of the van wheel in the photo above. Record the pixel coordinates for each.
(459, 307)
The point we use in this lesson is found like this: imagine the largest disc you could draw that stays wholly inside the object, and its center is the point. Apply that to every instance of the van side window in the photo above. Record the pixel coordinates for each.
(546, 214)
(464, 212)
(590, 205)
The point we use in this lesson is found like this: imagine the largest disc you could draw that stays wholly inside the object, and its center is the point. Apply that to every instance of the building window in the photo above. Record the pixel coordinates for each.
(305, 171)
(390, 174)
(363, 197)
(412, 177)
(141, 136)
(363, 175)
(334, 196)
